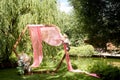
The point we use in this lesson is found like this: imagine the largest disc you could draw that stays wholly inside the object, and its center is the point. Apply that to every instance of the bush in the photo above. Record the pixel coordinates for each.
(84, 50)
(106, 72)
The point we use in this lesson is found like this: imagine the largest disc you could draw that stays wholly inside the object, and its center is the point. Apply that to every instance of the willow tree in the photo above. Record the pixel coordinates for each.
(69, 25)
(15, 15)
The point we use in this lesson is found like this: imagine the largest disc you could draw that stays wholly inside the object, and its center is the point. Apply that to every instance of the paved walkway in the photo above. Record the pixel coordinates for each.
(113, 55)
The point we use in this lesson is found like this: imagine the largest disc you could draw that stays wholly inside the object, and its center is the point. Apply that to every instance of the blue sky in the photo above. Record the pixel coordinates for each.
(64, 6)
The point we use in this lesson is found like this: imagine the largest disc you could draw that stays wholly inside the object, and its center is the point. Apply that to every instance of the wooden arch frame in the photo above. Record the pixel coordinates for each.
(16, 54)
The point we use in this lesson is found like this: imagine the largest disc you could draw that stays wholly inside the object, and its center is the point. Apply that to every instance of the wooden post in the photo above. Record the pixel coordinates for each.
(18, 40)
(59, 65)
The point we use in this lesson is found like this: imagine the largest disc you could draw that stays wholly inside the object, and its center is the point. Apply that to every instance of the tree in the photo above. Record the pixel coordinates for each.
(15, 15)
(99, 19)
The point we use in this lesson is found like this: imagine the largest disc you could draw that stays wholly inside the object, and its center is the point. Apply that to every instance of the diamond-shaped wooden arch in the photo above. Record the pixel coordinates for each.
(16, 54)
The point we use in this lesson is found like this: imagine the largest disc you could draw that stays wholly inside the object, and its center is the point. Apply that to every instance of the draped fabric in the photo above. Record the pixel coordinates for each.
(70, 68)
(52, 36)
(36, 38)
(39, 33)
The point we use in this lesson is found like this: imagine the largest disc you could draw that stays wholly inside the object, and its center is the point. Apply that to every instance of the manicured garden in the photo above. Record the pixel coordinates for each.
(103, 67)
(10, 74)
(37, 28)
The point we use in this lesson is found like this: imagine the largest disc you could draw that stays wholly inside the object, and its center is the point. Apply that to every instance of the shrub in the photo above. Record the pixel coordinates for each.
(106, 72)
(84, 50)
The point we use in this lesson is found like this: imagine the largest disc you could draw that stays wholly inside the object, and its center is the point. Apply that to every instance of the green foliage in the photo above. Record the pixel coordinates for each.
(20, 70)
(69, 25)
(20, 67)
(84, 50)
(99, 19)
(73, 29)
(64, 75)
(15, 15)
(105, 71)
(96, 66)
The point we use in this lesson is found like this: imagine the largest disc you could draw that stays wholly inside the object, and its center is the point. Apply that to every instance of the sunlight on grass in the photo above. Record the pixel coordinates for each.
(62, 74)
(10, 74)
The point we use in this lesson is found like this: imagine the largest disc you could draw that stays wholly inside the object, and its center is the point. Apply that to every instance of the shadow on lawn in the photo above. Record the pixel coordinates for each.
(11, 74)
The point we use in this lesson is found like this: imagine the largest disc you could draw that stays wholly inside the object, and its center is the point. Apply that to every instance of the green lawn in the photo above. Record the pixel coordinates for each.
(62, 74)
(11, 74)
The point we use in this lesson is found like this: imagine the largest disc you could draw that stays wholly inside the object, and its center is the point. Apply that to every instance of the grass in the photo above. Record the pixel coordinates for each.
(62, 74)
(11, 74)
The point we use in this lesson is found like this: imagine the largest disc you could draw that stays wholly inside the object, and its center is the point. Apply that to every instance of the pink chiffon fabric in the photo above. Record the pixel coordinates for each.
(39, 33)
(70, 68)
(36, 38)
(52, 36)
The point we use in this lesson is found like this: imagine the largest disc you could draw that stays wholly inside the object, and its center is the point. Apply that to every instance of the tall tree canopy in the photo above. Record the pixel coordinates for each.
(100, 19)
(16, 14)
